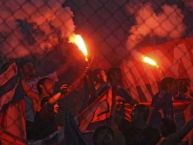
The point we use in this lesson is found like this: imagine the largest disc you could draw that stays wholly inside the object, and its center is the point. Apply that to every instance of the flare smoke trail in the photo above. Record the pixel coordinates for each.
(33, 26)
(166, 24)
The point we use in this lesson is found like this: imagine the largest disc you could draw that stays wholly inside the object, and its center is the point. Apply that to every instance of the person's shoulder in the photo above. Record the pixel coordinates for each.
(155, 99)
(160, 95)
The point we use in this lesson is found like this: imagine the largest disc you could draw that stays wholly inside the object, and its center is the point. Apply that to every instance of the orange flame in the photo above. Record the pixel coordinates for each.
(79, 41)
(150, 61)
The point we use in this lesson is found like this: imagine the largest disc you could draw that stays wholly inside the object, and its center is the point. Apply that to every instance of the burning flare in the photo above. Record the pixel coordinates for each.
(79, 42)
(150, 61)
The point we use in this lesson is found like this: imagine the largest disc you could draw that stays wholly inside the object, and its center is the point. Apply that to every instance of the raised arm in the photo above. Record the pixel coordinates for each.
(79, 80)
(69, 89)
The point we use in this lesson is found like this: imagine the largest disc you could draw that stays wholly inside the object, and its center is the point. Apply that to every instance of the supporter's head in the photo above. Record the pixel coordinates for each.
(168, 127)
(28, 69)
(103, 136)
(169, 84)
(185, 87)
(140, 112)
(46, 86)
(115, 76)
(98, 76)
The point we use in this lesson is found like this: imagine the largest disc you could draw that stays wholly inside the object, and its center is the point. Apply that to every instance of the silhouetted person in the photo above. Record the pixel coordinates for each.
(137, 132)
(121, 96)
(162, 106)
(45, 123)
(184, 90)
(95, 84)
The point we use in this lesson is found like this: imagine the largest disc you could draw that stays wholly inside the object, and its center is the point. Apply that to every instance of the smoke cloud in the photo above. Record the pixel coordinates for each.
(33, 26)
(166, 24)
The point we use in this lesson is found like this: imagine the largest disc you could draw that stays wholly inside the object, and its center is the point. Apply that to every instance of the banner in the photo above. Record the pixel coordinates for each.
(174, 58)
(99, 110)
(12, 108)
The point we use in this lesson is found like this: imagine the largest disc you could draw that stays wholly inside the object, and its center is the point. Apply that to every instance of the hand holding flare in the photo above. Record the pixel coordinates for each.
(66, 90)
(79, 42)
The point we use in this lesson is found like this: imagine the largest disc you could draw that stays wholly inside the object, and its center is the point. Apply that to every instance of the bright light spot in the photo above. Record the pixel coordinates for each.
(79, 42)
(150, 61)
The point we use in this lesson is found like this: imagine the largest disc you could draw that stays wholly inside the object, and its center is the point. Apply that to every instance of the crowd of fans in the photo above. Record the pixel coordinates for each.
(146, 125)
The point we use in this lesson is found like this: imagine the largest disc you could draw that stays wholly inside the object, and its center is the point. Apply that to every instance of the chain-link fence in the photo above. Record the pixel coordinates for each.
(147, 39)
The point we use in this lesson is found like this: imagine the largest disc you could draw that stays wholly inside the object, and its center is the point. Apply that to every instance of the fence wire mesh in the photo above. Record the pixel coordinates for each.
(147, 39)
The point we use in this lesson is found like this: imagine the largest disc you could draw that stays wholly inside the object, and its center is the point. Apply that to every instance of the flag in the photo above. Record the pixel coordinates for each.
(12, 107)
(99, 110)
(175, 59)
